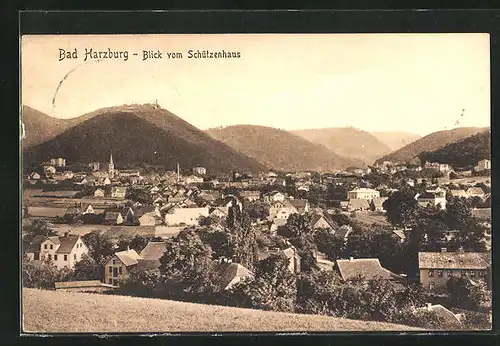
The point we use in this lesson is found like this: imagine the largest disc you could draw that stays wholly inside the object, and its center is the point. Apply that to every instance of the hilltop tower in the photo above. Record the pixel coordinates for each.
(111, 167)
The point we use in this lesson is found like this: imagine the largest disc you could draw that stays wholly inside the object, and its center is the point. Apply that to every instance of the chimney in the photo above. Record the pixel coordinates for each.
(351, 259)
(443, 249)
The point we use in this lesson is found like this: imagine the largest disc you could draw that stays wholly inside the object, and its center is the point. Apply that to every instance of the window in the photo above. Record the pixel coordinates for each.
(45, 246)
(120, 270)
(440, 273)
(463, 273)
(55, 257)
(74, 256)
(114, 262)
(431, 273)
(110, 269)
(65, 257)
(51, 246)
(450, 273)
(472, 274)
(110, 281)
(49, 256)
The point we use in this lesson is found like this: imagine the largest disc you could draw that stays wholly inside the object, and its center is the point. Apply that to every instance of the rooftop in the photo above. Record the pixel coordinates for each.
(454, 260)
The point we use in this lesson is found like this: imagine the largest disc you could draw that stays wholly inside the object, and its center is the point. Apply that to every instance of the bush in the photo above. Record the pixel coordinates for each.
(36, 274)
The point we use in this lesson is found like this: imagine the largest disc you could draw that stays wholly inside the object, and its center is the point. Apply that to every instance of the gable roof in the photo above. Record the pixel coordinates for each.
(359, 203)
(475, 190)
(454, 260)
(298, 203)
(317, 217)
(128, 257)
(153, 251)
(67, 243)
(147, 264)
(458, 193)
(228, 272)
(482, 213)
(112, 215)
(369, 268)
(377, 202)
(444, 313)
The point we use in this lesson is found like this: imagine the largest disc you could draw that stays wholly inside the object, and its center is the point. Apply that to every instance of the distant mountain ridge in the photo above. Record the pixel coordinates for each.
(280, 149)
(140, 134)
(396, 139)
(431, 142)
(347, 141)
(464, 153)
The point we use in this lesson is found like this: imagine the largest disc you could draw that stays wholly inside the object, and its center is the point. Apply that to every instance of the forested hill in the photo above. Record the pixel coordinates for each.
(464, 153)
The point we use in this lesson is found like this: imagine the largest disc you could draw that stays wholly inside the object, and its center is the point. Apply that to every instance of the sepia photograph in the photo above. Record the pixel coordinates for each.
(213, 183)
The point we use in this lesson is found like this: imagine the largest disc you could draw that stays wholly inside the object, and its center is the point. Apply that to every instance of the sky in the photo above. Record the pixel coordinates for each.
(417, 83)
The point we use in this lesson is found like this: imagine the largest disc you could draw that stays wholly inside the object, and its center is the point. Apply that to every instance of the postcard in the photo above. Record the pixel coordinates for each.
(255, 183)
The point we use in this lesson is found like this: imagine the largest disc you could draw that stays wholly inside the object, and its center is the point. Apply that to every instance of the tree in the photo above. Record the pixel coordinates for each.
(36, 228)
(329, 244)
(36, 274)
(297, 225)
(458, 213)
(139, 282)
(273, 288)
(87, 269)
(257, 210)
(186, 265)
(220, 241)
(243, 236)
(100, 248)
(401, 208)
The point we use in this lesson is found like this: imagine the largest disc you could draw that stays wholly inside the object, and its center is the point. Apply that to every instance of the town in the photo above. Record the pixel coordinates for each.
(406, 243)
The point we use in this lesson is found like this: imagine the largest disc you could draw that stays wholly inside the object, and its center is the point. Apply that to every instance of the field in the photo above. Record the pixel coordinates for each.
(66, 312)
(370, 217)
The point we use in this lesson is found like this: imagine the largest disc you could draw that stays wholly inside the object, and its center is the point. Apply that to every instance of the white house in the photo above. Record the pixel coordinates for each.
(281, 210)
(363, 193)
(63, 251)
(483, 165)
(184, 216)
(118, 192)
(274, 196)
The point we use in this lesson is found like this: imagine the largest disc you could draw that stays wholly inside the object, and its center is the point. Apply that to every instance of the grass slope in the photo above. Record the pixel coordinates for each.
(466, 152)
(348, 142)
(141, 134)
(396, 139)
(431, 142)
(280, 149)
(51, 311)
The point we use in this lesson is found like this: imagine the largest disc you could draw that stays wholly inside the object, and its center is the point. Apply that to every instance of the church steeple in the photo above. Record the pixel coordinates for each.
(111, 167)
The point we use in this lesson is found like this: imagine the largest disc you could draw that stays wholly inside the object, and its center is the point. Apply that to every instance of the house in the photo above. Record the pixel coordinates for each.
(290, 252)
(275, 223)
(184, 216)
(219, 211)
(358, 205)
(301, 205)
(229, 274)
(281, 210)
(148, 215)
(459, 193)
(94, 286)
(99, 192)
(153, 250)
(192, 179)
(58, 162)
(483, 165)
(34, 176)
(273, 196)
(118, 192)
(62, 251)
(119, 265)
(400, 234)
(436, 268)
(363, 193)
(475, 192)
(199, 170)
(432, 198)
(377, 204)
(49, 170)
(367, 268)
(250, 196)
(129, 173)
(113, 218)
(321, 221)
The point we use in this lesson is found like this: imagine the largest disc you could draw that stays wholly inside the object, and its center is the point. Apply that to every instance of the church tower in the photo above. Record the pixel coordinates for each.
(111, 167)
